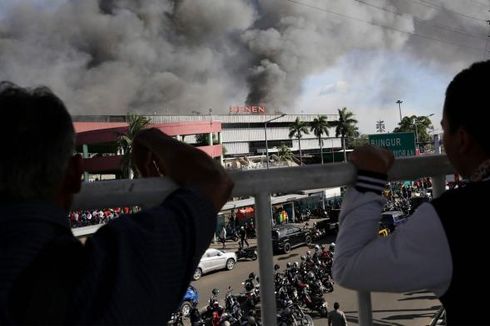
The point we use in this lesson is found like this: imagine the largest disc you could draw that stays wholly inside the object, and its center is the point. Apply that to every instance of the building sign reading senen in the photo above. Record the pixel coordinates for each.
(247, 109)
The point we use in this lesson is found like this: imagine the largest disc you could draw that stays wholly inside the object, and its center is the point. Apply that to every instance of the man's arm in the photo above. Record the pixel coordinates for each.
(415, 256)
(156, 153)
(138, 266)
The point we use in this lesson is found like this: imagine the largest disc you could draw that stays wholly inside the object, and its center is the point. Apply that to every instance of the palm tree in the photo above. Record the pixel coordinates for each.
(297, 129)
(345, 127)
(319, 126)
(136, 123)
(284, 153)
(417, 124)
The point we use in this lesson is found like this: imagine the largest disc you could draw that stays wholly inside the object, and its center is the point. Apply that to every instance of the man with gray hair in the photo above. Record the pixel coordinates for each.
(135, 269)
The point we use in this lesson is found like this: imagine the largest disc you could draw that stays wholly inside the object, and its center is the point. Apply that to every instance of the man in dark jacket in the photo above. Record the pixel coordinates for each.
(133, 270)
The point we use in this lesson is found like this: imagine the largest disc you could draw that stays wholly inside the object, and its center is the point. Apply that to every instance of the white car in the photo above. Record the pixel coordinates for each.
(214, 259)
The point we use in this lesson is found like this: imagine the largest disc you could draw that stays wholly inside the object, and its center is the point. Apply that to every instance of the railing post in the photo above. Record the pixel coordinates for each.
(438, 185)
(264, 247)
(365, 314)
(438, 182)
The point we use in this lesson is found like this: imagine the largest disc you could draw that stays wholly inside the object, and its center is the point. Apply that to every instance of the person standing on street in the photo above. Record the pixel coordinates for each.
(243, 237)
(336, 317)
(222, 236)
(430, 250)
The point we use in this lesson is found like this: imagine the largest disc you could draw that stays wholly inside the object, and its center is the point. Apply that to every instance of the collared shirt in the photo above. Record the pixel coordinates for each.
(134, 270)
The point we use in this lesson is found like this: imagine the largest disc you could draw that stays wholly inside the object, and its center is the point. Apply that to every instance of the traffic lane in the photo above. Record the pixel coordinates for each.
(415, 308)
(221, 279)
(234, 278)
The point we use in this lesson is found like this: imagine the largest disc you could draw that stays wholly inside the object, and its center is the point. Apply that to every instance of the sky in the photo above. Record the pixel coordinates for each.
(292, 56)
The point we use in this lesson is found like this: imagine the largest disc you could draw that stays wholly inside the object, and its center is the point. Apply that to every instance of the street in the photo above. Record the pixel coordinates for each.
(416, 308)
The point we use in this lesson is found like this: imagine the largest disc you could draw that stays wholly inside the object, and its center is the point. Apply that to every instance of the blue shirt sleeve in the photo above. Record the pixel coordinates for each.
(139, 266)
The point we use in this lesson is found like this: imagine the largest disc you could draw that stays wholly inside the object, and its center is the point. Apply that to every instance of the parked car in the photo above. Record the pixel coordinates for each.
(287, 236)
(214, 259)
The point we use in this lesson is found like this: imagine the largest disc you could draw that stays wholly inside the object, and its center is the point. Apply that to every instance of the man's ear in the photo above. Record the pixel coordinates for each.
(465, 141)
(72, 181)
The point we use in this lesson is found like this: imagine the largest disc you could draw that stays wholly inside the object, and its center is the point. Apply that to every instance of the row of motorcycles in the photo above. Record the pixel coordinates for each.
(299, 288)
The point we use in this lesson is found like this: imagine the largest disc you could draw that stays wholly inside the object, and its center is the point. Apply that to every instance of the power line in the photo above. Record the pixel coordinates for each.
(471, 3)
(383, 26)
(435, 6)
(442, 27)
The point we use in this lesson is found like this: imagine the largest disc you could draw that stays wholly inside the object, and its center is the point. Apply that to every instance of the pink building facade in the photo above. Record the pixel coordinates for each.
(94, 137)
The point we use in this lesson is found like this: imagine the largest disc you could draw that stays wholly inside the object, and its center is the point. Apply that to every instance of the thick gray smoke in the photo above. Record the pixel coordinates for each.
(179, 56)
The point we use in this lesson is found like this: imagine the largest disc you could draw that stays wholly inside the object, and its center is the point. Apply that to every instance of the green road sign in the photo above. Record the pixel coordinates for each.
(400, 143)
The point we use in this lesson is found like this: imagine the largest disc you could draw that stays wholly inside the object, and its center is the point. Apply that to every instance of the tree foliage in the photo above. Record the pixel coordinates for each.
(319, 127)
(417, 124)
(297, 129)
(284, 153)
(203, 139)
(359, 141)
(346, 128)
(136, 123)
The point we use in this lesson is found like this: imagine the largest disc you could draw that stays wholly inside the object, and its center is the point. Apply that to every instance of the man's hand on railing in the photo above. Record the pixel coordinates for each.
(372, 159)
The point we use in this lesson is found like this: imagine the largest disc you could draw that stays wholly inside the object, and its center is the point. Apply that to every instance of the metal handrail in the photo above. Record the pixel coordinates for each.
(151, 191)
(260, 184)
(440, 314)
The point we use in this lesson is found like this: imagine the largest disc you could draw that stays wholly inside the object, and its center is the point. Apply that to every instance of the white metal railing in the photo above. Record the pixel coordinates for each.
(260, 184)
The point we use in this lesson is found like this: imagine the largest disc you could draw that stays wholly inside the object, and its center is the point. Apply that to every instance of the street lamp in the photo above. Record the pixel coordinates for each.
(399, 102)
(266, 144)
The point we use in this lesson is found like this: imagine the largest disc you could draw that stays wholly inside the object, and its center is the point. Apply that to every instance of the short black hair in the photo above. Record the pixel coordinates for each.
(336, 305)
(38, 140)
(467, 103)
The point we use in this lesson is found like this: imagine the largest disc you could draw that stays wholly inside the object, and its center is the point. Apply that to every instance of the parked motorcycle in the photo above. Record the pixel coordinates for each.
(212, 315)
(176, 319)
(191, 298)
(246, 253)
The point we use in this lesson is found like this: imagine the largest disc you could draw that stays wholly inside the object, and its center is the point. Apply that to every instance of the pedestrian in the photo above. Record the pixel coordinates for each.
(134, 269)
(430, 250)
(222, 236)
(243, 237)
(233, 220)
(337, 317)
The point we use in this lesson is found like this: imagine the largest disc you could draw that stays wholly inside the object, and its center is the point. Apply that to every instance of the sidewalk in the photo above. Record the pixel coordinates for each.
(233, 245)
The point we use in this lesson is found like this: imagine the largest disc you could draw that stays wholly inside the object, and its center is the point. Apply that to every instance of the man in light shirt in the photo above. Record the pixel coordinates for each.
(434, 249)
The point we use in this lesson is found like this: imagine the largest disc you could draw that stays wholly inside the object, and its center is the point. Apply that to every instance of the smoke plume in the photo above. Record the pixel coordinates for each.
(179, 56)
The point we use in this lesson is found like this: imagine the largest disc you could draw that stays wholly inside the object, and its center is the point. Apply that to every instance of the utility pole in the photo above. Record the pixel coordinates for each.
(399, 102)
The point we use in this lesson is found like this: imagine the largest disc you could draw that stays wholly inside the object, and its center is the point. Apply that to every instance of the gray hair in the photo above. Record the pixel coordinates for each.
(38, 140)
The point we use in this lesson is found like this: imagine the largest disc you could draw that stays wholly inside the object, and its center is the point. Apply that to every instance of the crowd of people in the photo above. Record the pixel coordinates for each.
(79, 218)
